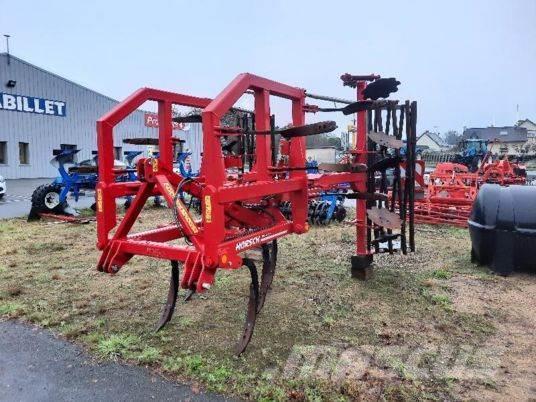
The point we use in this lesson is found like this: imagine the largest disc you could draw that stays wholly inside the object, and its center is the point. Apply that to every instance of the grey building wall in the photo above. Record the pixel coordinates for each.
(44, 133)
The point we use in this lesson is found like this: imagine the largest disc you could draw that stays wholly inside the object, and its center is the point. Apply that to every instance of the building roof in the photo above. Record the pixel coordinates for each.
(503, 134)
(434, 137)
(4, 54)
(520, 122)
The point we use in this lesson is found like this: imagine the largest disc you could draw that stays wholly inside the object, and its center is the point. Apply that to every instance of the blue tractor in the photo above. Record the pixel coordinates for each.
(472, 153)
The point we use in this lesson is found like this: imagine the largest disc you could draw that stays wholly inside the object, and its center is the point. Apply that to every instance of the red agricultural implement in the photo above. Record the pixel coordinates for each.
(240, 205)
(452, 189)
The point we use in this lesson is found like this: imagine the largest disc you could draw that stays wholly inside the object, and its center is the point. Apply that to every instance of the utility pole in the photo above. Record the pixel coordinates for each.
(7, 48)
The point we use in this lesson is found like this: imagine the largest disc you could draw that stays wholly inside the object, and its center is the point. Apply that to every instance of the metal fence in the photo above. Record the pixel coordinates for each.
(437, 157)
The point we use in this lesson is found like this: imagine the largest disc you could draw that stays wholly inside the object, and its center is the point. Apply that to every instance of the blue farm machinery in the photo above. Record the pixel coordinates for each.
(72, 180)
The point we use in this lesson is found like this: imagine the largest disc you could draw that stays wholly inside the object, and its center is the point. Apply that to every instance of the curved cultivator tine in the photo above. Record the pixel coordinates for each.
(171, 298)
(251, 314)
(269, 260)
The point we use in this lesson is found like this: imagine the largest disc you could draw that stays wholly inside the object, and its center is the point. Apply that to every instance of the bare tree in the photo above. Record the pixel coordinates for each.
(452, 137)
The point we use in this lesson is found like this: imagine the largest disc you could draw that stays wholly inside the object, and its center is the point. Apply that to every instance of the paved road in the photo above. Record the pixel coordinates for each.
(35, 366)
(17, 203)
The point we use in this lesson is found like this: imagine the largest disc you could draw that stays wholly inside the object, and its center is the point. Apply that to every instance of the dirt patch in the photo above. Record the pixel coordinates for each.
(512, 301)
(429, 325)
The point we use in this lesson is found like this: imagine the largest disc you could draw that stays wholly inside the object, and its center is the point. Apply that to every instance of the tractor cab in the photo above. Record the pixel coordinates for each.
(474, 146)
(472, 152)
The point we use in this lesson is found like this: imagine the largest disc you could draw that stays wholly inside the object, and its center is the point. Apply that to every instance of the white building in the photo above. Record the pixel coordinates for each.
(530, 126)
(322, 154)
(432, 142)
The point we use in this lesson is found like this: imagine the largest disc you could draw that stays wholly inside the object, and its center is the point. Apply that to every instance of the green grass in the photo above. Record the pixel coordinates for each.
(479, 326)
(313, 304)
(116, 345)
(441, 274)
(8, 308)
(441, 300)
(149, 355)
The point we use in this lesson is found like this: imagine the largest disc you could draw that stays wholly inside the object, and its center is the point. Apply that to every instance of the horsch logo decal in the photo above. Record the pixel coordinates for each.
(247, 243)
(253, 241)
(30, 104)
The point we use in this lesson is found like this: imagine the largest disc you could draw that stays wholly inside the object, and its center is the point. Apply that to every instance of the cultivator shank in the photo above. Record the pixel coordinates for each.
(242, 186)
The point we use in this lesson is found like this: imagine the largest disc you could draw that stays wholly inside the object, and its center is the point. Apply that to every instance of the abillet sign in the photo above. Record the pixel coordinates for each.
(30, 104)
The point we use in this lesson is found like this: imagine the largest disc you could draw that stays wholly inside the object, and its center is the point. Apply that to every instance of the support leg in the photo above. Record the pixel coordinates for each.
(362, 266)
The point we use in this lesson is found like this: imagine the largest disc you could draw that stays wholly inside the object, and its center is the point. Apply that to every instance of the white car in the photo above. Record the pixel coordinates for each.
(3, 187)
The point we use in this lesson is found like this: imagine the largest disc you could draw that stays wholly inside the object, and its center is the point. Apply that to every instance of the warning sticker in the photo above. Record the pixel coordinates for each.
(99, 200)
(208, 209)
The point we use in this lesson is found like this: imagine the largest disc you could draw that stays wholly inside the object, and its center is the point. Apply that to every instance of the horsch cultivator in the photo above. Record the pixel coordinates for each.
(241, 207)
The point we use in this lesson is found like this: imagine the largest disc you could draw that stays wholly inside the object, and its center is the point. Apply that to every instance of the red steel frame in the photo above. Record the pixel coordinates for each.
(213, 242)
(361, 152)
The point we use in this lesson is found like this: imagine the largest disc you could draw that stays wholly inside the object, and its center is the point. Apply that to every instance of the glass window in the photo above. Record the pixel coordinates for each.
(3, 152)
(24, 153)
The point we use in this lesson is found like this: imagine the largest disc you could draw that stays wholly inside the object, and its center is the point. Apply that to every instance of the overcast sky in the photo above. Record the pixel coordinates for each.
(467, 63)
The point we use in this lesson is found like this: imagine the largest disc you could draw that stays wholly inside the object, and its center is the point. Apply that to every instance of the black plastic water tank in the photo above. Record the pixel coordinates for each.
(503, 228)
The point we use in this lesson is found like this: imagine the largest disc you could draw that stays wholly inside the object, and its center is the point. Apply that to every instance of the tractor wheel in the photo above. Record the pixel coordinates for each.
(46, 198)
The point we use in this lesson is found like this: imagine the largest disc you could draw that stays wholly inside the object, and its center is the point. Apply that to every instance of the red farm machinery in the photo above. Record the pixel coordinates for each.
(240, 208)
(453, 187)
